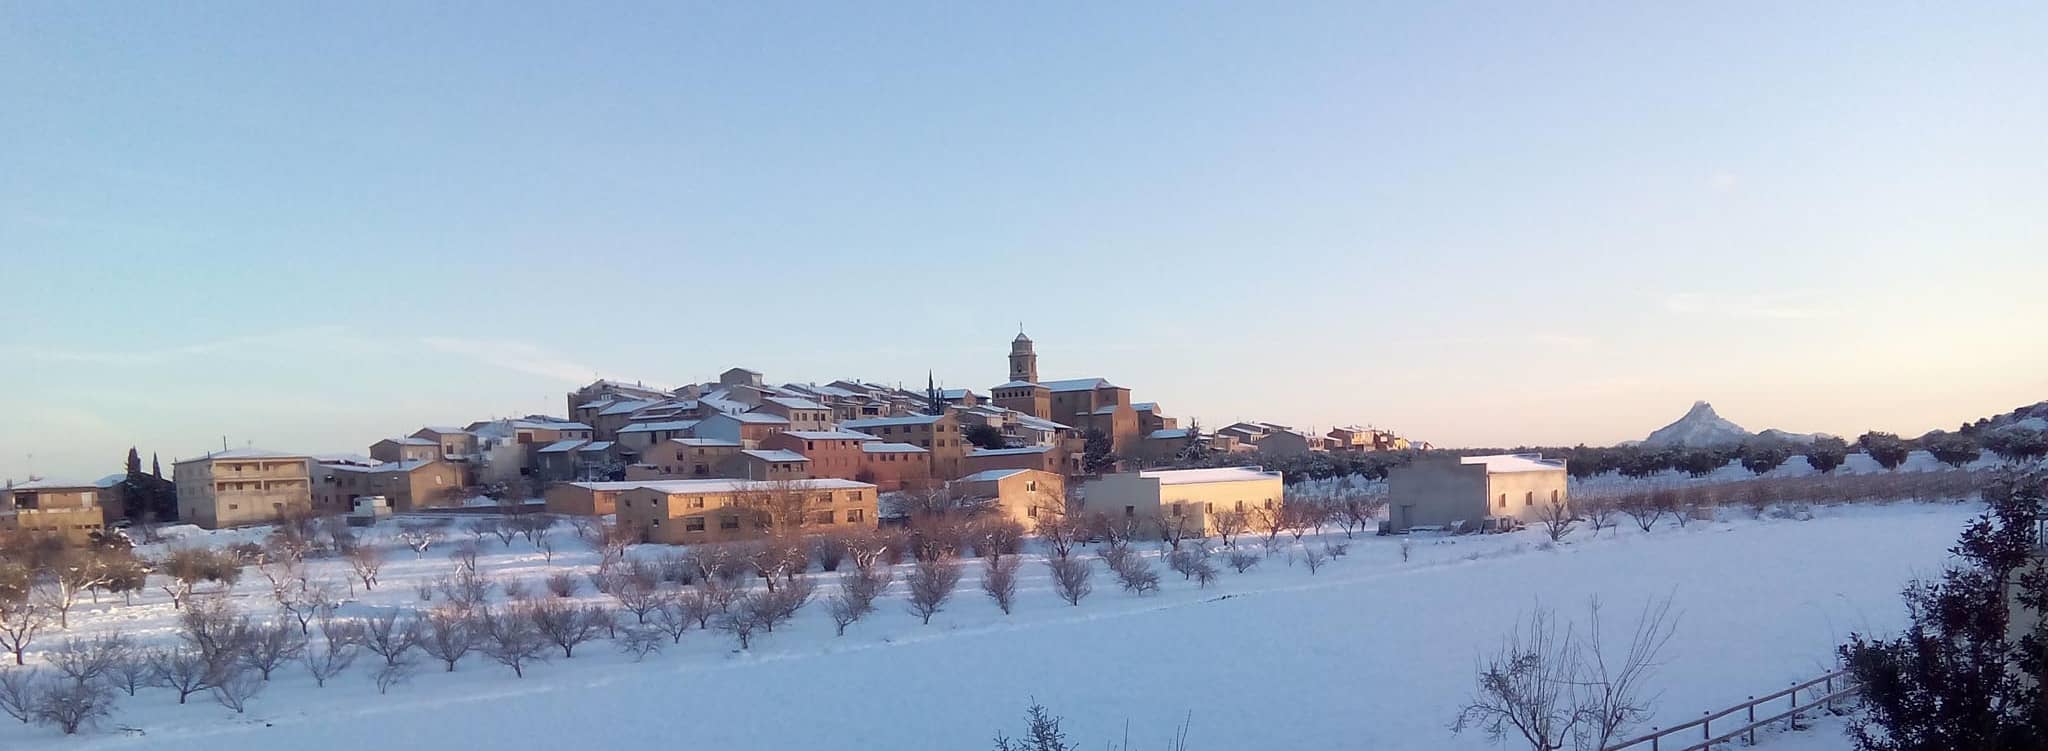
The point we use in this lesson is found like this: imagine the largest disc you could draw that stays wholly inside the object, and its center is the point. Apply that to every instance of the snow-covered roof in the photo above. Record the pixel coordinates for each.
(1039, 423)
(833, 391)
(410, 441)
(987, 475)
(1210, 475)
(48, 484)
(954, 393)
(1168, 433)
(1077, 384)
(244, 453)
(628, 407)
(776, 455)
(1018, 385)
(794, 402)
(674, 487)
(111, 480)
(650, 427)
(562, 445)
(1505, 463)
(1106, 409)
(1010, 452)
(443, 430)
(704, 442)
(1146, 406)
(405, 466)
(596, 403)
(877, 422)
(761, 418)
(883, 447)
(597, 446)
(830, 435)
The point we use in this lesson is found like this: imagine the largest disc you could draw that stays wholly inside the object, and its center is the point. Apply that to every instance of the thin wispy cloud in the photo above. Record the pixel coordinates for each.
(252, 344)
(514, 355)
(1779, 306)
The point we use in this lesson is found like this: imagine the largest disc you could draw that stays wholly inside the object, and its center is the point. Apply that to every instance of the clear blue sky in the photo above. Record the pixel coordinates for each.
(1476, 223)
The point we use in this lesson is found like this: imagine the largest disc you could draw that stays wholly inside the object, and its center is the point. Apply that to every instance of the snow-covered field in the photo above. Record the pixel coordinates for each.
(1371, 652)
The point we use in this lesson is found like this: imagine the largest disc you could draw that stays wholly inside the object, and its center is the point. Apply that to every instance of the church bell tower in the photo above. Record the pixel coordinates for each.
(1023, 361)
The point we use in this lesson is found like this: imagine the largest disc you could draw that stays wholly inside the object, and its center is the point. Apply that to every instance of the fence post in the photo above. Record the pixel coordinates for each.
(1653, 738)
(1752, 720)
(1830, 701)
(1707, 725)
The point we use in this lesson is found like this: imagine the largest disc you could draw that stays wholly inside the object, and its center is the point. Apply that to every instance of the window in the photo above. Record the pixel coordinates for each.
(693, 524)
(1553, 496)
(823, 517)
(1240, 507)
(1503, 500)
(854, 515)
(1030, 486)
(1529, 498)
(1130, 512)
(657, 522)
(728, 522)
(696, 501)
(1031, 512)
(1177, 509)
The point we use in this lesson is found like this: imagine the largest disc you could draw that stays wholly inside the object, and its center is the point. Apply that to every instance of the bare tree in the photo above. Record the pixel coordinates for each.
(1525, 688)
(1642, 507)
(1269, 520)
(1557, 519)
(674, 620)
(419, 537)
(217, 630)
(1175, 527)
(1313, 558)
(1135, 573)
(856, 596)
(390, 634)
(1599, 512)
(1242, 560)
(741, 622)
(999, 580)
(466, 589)
(1070, 578)
(270, 645)
(73, 705)
(1057, 521)
(562, 624)
(640, 598)
(694, 605)
(447, 636)
(1230, 524)
(465, 553)
(71, 576)
(336, 653)
(1609, 694)
(505, 530)
(90, 659)
(365, 562)
(131, 673)
(307, 603)
(19, 693)
(510, 639)
(185, 671)
(641, 642)
(393, 674)
(931, 584)
(235, 687)
(564, 585)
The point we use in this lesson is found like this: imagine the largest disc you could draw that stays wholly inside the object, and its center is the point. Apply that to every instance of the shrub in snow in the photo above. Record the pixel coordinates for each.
(1070, 578)
(641, 642)
(1242, 560)
(1957, 678)
(19, 691)
(70, 705)
(999, 580)
(931, 584)
(1136, 574)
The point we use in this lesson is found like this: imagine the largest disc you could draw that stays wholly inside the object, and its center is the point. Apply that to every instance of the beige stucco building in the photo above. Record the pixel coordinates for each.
(1020, 495)
(1189, 497)
(406, 485)
(1447, 492)
(44, 507)
(697, 511)
(937, 434)
(242, 486)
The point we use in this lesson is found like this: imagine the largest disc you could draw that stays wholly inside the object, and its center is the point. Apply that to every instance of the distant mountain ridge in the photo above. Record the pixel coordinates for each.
(1701, 426)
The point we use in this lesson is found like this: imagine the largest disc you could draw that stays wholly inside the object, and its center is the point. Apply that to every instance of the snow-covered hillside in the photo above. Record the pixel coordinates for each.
(1372, 652)
(1702, 426)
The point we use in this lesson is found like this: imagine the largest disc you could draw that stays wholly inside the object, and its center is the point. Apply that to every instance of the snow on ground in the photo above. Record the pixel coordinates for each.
(1372, 652)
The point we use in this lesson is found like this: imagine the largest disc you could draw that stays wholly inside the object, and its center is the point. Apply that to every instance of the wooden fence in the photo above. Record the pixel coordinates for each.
(1832, 688)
